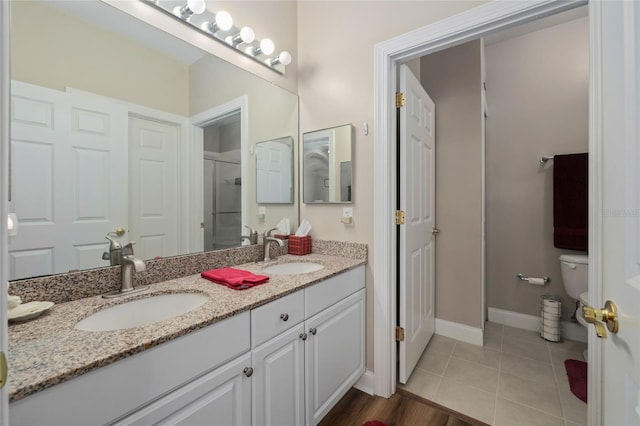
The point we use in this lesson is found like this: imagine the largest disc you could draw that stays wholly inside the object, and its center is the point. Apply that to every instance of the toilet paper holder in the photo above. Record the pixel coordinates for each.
(535, 281)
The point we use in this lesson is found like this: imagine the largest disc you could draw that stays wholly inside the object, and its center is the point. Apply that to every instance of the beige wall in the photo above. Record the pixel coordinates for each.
(452, 78)
(335, 84)
(52, 49)
(272, 112)
(537, 95)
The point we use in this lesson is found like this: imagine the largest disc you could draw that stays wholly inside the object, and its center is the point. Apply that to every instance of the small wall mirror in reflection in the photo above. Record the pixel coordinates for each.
(327, 166)
(274, 171)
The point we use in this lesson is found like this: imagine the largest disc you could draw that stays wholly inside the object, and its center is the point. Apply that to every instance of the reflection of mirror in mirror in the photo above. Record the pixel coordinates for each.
(327, 165)
(105, 135)
(274, 171)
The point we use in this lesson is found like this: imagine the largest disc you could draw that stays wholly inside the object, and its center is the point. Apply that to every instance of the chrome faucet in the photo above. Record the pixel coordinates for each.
(267, 239)
(252, 237)
(128, 264)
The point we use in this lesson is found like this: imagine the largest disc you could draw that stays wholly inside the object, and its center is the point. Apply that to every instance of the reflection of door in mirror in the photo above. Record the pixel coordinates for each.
(222, 183)
(66, 188)
(274, 171)
(153, 187)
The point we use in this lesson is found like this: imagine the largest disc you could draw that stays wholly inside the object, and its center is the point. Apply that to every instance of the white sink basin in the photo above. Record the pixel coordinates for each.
(292, 268)
(142, 311)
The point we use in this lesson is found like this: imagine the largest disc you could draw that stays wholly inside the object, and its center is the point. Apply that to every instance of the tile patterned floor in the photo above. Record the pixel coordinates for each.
(516, 379)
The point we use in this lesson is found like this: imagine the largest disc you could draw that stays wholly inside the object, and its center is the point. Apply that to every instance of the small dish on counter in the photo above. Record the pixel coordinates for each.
(27, 311)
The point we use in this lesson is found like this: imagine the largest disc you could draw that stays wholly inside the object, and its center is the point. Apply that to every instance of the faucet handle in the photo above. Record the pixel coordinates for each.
(127, 250)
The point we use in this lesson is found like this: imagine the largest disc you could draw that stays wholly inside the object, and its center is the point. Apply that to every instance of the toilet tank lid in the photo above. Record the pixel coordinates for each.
(583, 259)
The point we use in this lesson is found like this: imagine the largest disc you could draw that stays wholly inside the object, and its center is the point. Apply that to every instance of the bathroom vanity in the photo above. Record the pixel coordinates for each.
(281, 353)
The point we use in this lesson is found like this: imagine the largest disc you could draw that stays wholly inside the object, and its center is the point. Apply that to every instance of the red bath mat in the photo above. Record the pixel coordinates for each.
(374, 423)
(577, 373)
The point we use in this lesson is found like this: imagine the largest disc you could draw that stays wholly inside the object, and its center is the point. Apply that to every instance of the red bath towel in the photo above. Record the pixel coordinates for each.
(236, 279)
(570, 201)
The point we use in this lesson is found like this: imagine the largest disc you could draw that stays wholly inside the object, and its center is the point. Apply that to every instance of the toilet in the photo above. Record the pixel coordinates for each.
(574, 268)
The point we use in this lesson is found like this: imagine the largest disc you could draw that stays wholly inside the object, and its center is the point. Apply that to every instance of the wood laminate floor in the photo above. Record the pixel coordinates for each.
(402, 409)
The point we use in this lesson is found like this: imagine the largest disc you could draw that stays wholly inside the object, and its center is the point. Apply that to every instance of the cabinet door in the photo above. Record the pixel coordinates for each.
(221, 397)
(278, 380)
(334, 354)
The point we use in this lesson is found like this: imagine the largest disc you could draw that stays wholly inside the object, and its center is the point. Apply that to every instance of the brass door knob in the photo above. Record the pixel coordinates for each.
(608, 315)
(435, 231)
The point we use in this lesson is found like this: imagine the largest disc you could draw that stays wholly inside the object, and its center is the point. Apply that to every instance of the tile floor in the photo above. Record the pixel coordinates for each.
(516, 379)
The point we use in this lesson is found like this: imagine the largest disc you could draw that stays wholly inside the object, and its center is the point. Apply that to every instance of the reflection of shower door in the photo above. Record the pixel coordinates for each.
(222, 204)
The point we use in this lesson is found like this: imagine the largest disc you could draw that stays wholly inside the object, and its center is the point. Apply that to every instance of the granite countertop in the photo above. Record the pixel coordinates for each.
(49, 350)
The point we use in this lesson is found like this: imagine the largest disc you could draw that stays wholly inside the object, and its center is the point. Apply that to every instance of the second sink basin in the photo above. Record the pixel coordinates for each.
(292, 268)
(142, 311)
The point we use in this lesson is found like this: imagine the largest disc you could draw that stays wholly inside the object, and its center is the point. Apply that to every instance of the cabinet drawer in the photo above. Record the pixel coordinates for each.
(325, 293)
(273, 318)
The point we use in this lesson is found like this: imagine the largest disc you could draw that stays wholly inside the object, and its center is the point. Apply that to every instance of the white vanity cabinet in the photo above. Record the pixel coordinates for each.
(175, 372)
(287, 362)
(221, 397)
(300, 374)
(334, 354)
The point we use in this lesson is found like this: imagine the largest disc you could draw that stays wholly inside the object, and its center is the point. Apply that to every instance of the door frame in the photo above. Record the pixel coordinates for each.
(5, 82)
(198, 122)
(388, 55)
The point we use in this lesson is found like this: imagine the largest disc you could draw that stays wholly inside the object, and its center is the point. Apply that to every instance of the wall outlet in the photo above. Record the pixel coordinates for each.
(347, 216)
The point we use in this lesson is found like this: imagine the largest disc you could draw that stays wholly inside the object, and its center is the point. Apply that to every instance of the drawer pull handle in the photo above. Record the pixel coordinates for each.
(248, 371)
(313, 331)
(303, 336)
(284, 317)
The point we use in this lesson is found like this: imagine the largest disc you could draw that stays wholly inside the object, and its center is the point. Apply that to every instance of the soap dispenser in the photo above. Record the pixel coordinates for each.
(114, 256)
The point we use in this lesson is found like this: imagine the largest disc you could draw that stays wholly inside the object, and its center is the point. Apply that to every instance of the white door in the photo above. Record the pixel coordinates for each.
(619, 273)
(153, 187)
(68, 179)
(417, 200)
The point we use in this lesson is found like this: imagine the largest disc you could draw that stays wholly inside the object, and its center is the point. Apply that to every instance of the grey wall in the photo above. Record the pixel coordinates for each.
(537, 96)
(452, 78)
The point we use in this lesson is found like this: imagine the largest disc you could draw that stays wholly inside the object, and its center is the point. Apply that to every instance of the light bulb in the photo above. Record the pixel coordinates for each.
(224, 20)
(247, 35)
(266, 46)
(192, 6)
(283, 58)
(196, 6)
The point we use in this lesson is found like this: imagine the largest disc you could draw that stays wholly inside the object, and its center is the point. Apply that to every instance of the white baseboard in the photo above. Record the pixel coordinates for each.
(514, 319)
(365, 384)
(460, 332)
(570, 330)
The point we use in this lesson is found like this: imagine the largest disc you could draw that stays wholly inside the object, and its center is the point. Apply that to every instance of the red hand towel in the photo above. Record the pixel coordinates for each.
(237, 279)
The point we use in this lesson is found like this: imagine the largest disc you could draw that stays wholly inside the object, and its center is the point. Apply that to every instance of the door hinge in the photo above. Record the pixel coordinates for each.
(399, 334)
(399, 217)
(3, 369)
(399, 100)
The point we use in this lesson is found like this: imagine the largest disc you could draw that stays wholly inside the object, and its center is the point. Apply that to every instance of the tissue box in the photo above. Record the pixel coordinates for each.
(300, 245)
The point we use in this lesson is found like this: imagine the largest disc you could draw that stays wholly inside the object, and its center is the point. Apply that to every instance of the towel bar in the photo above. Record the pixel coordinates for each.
(545, 158)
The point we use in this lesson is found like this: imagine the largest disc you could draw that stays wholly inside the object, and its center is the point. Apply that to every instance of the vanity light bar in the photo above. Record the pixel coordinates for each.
(220, 27)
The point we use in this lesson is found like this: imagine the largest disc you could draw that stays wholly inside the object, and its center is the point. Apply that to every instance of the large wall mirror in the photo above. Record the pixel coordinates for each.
(328, 165)
(116, 124)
